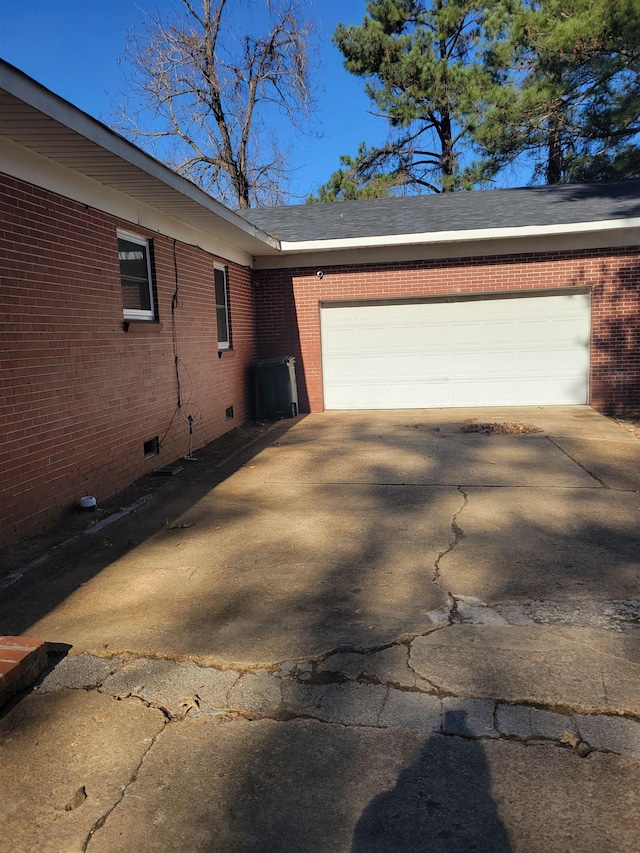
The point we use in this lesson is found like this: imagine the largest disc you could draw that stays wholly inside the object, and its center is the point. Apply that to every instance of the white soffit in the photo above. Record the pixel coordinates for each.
(507, 244)
(40, 121)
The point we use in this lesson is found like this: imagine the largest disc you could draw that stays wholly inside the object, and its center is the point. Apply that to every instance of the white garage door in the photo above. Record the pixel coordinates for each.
(526, 350)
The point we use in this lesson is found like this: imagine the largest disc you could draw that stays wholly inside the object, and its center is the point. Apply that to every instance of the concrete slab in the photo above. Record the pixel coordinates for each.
(338, 565)
(306, 786)
(81, 671)
(526, 722)
(616, 464)
(408, 710)
(349, 562)
(555, 421)
(432, 447)
(538, 665)
(66, 759)
(621, 736)
(346, 574)
(174, 687)
(520, 543)
(617, 616)
(389, 666)
(419, 457)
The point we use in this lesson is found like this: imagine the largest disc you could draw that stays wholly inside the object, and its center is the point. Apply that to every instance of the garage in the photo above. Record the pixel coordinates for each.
(503, 350)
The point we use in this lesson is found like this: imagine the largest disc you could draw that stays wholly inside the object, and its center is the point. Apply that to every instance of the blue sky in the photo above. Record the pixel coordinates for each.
(77, 49)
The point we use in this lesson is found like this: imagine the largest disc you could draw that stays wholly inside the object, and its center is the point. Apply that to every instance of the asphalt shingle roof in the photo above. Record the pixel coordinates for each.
(503, 208)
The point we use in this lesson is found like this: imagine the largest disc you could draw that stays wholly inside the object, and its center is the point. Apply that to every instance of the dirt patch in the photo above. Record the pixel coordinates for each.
(631, 424)
(509, 428)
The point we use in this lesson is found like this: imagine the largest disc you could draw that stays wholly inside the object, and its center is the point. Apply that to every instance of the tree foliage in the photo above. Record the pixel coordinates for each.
(469, 89)
(573, 66)
(424, 72)
(207, 96)
(351, 181)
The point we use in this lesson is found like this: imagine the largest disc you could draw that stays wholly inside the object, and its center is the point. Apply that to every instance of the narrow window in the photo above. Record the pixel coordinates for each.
(135, 277)
(222, 307)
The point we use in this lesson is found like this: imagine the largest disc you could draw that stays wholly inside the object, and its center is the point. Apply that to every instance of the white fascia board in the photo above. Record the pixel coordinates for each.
(37, 96)
(621, 238)
(469, 235)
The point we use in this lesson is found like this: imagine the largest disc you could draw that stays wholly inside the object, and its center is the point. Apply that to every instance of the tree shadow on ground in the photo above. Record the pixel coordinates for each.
(440, 804)
(334, 546)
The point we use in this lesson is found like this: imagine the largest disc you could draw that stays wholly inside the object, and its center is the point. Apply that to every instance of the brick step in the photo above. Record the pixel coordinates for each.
(22, 659)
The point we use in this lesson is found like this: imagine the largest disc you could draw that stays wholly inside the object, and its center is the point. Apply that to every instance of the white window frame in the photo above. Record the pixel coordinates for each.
(139, 313)
(222, 344)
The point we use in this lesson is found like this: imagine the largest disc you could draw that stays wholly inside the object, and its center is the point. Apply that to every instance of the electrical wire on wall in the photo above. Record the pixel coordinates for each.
(189, 411)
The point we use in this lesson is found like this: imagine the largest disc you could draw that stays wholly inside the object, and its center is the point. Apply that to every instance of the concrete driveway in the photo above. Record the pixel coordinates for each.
(351, 529)
(317, 638)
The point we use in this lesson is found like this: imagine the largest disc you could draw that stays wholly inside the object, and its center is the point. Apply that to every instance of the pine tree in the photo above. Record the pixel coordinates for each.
(425, 75)
(575, 66)
(549, 87)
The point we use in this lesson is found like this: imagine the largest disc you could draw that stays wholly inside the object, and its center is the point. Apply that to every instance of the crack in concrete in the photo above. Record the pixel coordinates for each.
(577, 743)
(234, 685)
(382, 707)
(604, 686)
(287, 710)
(103, 818)
(355, 650)
(458, 534)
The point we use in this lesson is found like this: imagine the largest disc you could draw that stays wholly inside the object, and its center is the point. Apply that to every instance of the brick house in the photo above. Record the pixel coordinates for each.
(132, 302)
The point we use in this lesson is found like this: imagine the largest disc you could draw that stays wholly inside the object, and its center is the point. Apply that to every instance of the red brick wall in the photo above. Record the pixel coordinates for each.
(287, 308)
(79, 395)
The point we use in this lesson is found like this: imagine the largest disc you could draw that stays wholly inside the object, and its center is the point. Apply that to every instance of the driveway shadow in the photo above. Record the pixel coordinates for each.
(440, 804)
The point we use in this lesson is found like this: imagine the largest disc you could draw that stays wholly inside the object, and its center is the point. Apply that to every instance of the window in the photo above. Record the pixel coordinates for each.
(222, 307)
(135, 277)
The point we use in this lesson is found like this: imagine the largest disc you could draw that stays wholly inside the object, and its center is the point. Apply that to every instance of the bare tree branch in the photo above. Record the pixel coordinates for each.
(213, 96)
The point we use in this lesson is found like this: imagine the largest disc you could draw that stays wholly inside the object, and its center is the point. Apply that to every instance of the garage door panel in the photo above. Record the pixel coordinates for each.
(401, 394)
(467, 365)
(408, 339)
(435, 366)
(344, 371)
(531, 350)
(370, 339)
(370, 368)
(575, 361)
(537, 333)
(338, 341)
(436, 396)
(568, 332)
(465, 336)
(471, 393)
(501, 334)
(434, 337)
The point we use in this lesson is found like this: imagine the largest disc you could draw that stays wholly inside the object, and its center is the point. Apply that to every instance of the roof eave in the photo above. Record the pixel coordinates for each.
(461, 236)
(19, 85)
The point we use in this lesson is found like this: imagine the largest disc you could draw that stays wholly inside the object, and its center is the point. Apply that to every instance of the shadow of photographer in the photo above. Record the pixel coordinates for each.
(440, 804)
